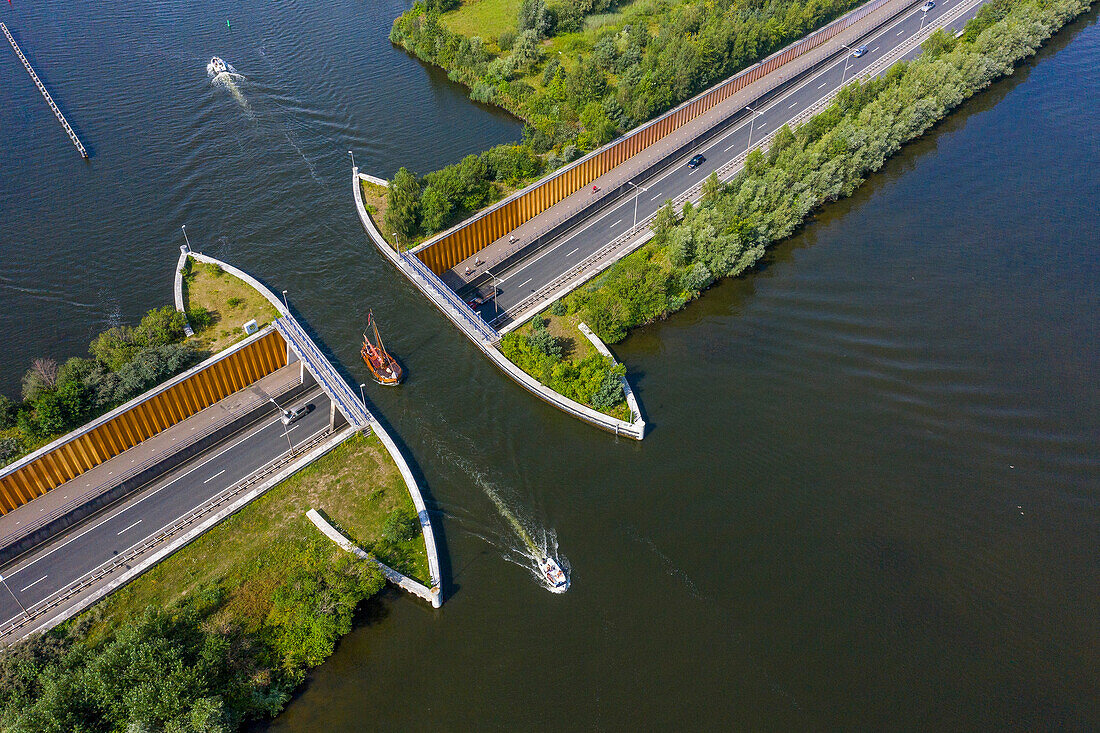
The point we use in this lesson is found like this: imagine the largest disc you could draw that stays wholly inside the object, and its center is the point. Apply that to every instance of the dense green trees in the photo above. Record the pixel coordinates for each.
(422, 206)
(824, 159)
(191, 668)
(593, 380)
(125, 362)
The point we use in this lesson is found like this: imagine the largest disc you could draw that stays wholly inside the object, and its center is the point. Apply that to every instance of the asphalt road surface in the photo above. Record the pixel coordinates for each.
(115, 530)
(551, 261)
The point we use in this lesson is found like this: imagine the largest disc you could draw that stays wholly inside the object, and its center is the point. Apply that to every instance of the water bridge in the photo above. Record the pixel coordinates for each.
(45, 93)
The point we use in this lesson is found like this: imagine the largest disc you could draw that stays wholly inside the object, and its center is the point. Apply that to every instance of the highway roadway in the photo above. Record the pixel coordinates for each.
(553, 260)
(118, 528)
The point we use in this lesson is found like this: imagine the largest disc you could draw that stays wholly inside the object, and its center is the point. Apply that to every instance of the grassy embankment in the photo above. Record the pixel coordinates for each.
(357, 487)
(376, 203)
(228, 302)
(222, 631)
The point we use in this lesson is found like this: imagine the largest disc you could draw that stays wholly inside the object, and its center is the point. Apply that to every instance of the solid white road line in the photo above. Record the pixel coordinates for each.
(219, 473)
(150, 495)
(34, 583)
(130, 527)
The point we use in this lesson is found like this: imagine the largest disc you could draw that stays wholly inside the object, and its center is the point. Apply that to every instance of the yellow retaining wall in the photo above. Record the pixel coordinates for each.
(476, 233)
(143, 420)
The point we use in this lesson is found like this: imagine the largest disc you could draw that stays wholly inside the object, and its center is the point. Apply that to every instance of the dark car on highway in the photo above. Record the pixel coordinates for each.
(696, 161)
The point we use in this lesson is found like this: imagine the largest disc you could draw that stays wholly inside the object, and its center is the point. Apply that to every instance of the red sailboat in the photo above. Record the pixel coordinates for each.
(384, 368)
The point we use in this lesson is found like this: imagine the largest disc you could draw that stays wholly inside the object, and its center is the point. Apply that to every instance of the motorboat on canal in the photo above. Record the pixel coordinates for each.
(384, 369)
(217, 66)
(555, 577)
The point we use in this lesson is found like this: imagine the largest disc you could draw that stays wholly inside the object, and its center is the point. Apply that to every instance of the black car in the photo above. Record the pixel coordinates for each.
(696, 161)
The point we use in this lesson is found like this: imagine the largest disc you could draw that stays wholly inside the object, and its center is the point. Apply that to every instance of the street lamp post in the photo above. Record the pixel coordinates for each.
(287, 305)
(637, 195)
(847, 58)
(19, 602)
(352, 154)
(752, 121)
(185, 239)
(496, 309)
(286, 433)
(397, 241)
(362, 396)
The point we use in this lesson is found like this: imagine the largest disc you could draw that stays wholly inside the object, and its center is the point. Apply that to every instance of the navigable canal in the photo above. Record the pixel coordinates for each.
(870, 494)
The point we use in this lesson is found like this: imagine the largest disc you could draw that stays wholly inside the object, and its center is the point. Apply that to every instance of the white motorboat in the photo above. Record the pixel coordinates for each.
(217, 66)
(555, 577)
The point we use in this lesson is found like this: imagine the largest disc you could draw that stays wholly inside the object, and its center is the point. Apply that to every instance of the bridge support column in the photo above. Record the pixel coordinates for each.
(335, 417)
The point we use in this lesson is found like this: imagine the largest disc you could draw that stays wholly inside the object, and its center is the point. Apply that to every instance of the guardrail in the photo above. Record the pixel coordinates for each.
(63, 595)
(323, 372)
(622, 245)
(45, 519)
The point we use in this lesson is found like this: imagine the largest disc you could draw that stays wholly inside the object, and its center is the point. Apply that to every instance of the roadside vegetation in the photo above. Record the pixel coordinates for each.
(122, 362)
(823, 160)
(579, 73)
(552, 350)
(219, 304)
(222, 632)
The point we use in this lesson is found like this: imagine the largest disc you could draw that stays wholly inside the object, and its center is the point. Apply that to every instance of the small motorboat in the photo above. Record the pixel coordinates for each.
(384, 368)
(217, 66)
(555, 577)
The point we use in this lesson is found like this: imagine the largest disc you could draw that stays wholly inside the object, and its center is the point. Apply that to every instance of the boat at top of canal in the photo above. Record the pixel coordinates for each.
(384, 369)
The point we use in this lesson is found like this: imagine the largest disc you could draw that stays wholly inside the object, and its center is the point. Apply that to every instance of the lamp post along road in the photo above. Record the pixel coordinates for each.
(752, 120)
(637, 193)
(14, 598)
(847, 58)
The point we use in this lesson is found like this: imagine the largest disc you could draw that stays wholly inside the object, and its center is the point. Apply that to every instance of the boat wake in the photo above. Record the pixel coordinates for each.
(538, 549)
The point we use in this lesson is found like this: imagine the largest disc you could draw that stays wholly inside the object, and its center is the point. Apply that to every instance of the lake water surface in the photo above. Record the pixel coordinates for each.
(871, 493)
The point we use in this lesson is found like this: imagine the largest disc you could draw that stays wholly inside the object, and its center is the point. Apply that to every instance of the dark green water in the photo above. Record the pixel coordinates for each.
(870, 496)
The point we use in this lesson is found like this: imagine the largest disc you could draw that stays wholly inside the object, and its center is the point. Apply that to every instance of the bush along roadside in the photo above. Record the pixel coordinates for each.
(592, 379)
(221, 632)
(823, 160)
(579, 76)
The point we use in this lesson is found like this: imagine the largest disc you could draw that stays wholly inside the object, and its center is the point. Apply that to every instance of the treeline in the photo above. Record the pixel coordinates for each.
(123, 362)
(823, 160)
(187, 669)
(615, 77)
(594, 380)
(418, 207)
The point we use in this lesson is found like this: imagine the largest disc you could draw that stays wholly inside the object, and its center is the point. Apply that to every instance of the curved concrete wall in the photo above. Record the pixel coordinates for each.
(463, 317)
(376, 427)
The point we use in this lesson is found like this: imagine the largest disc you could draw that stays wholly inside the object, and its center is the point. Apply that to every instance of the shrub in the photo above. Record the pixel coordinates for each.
(235, 302)
(200, 318)
(9, 449)
(558, 308)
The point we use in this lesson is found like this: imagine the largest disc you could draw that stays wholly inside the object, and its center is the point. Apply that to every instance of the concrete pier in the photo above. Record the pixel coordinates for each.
(42, 88)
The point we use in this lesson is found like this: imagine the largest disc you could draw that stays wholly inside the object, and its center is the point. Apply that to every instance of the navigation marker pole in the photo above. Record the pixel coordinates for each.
(20, 603)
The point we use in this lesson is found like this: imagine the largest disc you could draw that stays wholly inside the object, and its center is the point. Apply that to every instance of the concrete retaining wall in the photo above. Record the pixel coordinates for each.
(130, 485)
(391, 447)
(631, 400)
(177, 289)
(431, 595)
(463, 317)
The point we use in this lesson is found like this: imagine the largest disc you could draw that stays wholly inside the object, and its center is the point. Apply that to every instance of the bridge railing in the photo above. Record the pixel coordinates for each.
(322, 370)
